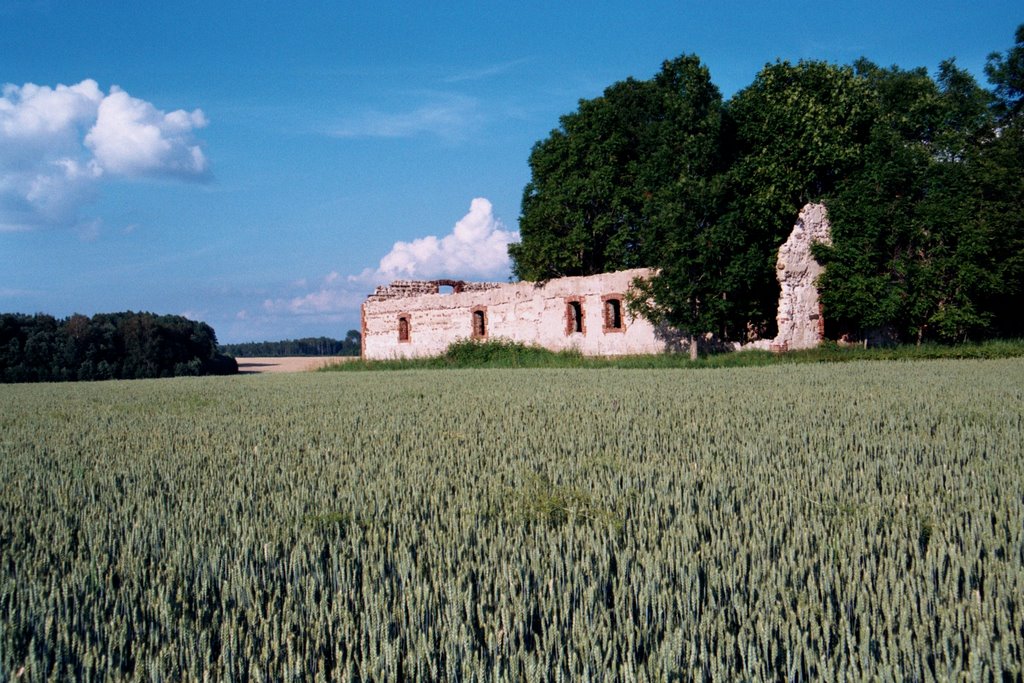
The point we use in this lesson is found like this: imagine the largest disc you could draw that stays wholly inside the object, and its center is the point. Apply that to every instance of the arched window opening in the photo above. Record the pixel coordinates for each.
(479, 323)
(574, 317)
(445, 289)
(612, 314)
(403, 328)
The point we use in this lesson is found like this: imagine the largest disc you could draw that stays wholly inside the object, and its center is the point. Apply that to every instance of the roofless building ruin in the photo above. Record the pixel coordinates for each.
(417, 318)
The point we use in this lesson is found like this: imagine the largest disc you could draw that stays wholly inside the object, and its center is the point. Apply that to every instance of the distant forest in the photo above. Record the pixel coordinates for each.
(41, 348)
(307, 346)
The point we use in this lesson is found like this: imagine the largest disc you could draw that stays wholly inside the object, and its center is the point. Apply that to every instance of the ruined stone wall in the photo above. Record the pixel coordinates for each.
(531, 313)
(799, 317)
(800, 322)
(411, 318)
(406, 288)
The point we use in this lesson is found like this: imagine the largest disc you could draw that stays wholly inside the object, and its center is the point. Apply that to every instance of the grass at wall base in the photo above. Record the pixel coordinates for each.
(503, 353)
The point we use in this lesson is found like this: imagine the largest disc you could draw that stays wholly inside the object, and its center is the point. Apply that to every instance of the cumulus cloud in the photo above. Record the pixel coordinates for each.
(476, 248)
(131, 137)
(40, 113)
(332, 294)
(57, 144)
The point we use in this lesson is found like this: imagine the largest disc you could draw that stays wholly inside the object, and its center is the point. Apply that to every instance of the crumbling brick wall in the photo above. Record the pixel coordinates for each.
(527, 312)
(414, 318)
(406, 288)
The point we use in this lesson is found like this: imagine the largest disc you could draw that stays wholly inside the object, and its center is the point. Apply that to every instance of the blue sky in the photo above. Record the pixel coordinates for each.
(261, 165)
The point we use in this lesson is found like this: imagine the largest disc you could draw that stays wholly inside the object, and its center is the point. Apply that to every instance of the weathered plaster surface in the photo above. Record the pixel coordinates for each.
(543, 314)
(527, 312)
(799, 317)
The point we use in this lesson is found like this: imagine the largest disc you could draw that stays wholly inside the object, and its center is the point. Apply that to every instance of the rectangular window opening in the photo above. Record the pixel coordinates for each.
(613, 314)
(575, 312)
(479, 324)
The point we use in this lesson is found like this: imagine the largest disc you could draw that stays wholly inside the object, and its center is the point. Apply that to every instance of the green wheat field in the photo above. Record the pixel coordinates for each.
(800, 522)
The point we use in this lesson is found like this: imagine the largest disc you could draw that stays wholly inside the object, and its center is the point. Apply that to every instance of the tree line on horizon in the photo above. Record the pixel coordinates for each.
(351, 345)
(128, 345)
(922, 175)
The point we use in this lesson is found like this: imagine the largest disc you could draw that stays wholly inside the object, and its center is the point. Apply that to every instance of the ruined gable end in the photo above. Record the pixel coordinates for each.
(800, 321)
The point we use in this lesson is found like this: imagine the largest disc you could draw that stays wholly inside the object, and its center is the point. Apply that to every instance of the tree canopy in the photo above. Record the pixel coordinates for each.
(922, 175)
(603, 181)
(786, 140)
(1006, 73)
(41, 348)
(913, 250)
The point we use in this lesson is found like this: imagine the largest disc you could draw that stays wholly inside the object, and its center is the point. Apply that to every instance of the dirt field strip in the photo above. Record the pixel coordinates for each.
(289, 364)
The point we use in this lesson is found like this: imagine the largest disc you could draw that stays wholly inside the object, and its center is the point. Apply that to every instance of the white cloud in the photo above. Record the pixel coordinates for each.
(451, 117)
(475, 249)
(89, 231)
(11, 293)
(57, 144)
(39, 110)
(487, 71)
(131, 137)
(327, 299)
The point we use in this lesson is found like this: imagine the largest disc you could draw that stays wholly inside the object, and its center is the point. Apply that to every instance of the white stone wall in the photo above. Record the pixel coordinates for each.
(799, 315)
(526, 312)
(534, 313)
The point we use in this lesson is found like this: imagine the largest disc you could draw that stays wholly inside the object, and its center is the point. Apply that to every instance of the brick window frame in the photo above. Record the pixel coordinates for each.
(574, 308)
(404, 328)
(478, 321)
(611, 313)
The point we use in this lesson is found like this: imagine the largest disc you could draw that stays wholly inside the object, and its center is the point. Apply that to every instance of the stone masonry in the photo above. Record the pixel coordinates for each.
(800, 321)
(412, 318)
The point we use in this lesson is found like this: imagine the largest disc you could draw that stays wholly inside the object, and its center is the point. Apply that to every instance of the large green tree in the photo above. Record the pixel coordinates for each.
(1002, 185)
(792, 134)
(923, 177)
(920, 228)
(800, 128)
(601, 182)
(1005, 72)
